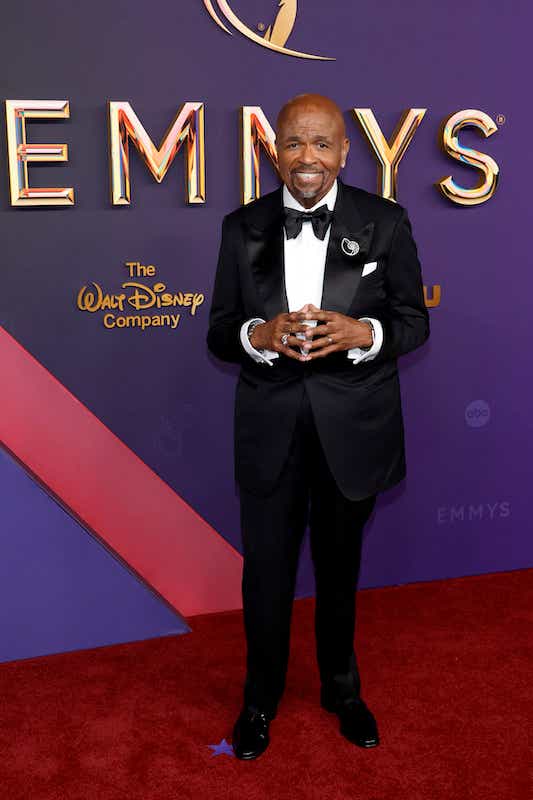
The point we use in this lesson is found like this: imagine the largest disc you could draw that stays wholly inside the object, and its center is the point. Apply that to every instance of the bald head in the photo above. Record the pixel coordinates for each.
(312, 146)
(311, 103)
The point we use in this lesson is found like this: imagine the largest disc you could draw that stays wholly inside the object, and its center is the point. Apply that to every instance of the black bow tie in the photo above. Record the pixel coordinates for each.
(320, 219)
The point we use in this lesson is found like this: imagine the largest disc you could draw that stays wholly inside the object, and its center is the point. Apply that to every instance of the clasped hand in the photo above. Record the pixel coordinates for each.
(334, 332)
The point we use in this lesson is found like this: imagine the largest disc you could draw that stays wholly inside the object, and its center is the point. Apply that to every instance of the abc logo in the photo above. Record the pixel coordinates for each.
(477, 414)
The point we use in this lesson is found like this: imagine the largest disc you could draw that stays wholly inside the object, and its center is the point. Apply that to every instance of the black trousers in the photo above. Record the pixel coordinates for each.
(272, 532)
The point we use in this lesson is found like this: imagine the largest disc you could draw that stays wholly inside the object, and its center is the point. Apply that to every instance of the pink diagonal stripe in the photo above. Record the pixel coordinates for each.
(112, 491)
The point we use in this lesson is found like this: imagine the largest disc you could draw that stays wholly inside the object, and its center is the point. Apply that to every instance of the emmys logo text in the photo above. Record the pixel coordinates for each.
(481, 512)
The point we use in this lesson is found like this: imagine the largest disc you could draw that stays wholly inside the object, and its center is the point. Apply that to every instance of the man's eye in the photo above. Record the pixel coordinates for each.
(322, 145)
(292, 145)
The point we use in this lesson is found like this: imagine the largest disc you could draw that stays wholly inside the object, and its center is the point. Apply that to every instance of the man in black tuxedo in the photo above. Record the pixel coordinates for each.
(318, 291)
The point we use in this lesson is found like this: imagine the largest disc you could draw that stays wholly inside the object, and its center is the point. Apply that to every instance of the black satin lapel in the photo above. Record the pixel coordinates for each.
(343, 272)
(265, 251)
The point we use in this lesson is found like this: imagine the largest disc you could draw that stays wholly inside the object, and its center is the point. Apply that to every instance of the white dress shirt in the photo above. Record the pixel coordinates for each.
(305, 261)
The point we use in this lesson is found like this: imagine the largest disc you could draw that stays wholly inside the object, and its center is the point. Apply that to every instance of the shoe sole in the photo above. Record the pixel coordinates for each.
(249, 757)
(364, 745)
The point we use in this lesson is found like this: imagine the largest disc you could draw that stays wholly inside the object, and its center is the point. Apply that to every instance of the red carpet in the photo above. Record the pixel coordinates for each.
(446, 666)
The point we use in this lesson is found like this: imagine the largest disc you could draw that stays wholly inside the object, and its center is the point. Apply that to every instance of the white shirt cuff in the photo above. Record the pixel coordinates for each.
(357, 354)
(260, 356)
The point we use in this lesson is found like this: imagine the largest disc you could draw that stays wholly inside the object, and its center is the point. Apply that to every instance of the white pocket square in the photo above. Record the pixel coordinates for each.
(368, 268)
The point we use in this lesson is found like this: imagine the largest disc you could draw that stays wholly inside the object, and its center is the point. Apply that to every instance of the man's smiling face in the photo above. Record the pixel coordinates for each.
(312, 146)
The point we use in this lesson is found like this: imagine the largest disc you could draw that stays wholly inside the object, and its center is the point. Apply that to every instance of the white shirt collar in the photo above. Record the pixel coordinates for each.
(329, 199)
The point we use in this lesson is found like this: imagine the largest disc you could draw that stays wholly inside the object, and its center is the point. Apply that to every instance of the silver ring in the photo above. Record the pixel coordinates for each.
(330, 340)
(285, 339)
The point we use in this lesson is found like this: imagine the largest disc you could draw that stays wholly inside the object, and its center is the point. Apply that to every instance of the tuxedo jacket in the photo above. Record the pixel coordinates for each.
(357, 407)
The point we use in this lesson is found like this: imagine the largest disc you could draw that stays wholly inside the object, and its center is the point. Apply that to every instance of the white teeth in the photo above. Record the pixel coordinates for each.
(307, 176)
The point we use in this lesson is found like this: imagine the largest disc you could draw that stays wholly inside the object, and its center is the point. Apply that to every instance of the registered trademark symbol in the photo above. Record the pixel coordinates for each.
(261, 26)
(500, 119)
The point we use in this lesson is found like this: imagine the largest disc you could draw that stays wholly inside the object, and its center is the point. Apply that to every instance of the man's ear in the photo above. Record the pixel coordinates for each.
(345, 150)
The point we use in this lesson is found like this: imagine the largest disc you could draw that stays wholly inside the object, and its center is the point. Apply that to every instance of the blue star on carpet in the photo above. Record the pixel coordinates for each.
(221, 749)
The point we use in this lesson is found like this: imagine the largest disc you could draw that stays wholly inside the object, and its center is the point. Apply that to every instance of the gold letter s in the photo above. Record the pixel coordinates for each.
(488, 181)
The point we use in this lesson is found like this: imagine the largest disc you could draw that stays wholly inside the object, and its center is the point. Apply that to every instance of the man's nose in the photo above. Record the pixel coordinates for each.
(307, 156)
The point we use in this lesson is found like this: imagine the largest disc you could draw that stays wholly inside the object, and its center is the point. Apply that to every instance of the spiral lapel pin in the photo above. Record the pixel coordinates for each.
(349, 247)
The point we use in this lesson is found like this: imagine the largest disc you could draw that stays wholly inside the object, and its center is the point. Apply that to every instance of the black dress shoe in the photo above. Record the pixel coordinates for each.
(250, 734)
(357, 721)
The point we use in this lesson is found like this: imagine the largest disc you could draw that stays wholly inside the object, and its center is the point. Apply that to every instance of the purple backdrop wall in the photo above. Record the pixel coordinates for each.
(464, 507)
